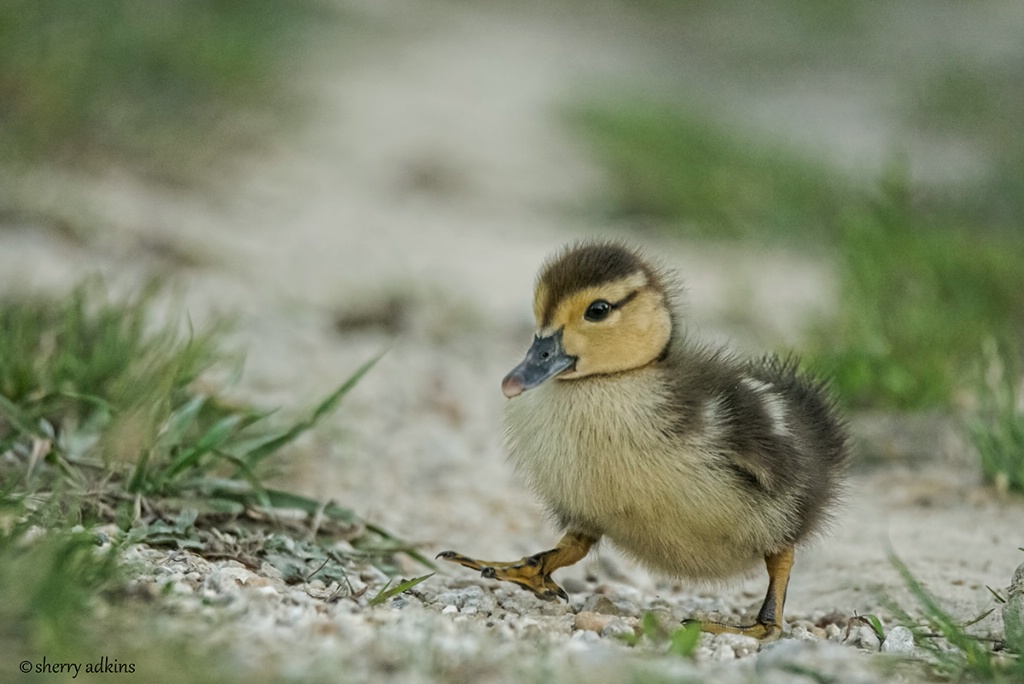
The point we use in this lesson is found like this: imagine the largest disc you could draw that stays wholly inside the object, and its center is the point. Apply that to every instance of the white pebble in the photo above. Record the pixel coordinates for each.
(741, 644)
(724, 652)
(899, 640)
(863, 637)
(616, 627)
(448, 598)
(224, 579)
(801, 633)
(584, 635)
(1013, 620)
(1013, 609)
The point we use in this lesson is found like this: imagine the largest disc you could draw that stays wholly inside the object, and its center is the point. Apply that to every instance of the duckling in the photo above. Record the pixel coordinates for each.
(696, 463)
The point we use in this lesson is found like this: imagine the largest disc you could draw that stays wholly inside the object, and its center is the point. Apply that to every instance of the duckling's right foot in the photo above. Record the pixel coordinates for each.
(529, 573)
(760, 631)
(533, 572)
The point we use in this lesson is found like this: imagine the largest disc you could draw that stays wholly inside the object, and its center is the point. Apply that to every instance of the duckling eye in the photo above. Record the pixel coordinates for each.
(598, 310)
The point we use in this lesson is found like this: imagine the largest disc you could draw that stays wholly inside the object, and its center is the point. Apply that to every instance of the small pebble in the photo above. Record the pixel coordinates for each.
(590, 621)
(862, 636)
(448, 598)
(585, 636)
(801, 633)
(741, 644)
(1013, 620)
(724, 652)
(606, 606)
(1013, 610)
(616, 627)
(899, 640)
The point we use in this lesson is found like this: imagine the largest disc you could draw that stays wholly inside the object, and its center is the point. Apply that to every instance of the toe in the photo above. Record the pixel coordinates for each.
(453, 557)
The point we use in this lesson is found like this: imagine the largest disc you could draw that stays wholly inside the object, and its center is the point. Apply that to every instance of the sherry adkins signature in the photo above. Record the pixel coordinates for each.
(104, 665)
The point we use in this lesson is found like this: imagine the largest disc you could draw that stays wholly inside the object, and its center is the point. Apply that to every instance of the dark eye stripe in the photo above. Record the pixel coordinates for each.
(625, 300)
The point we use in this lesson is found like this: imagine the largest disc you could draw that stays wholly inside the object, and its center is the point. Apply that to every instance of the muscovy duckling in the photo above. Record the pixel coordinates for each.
(694, 462)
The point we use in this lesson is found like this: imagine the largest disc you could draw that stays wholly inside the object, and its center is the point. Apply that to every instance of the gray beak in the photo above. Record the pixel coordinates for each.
(545, 359)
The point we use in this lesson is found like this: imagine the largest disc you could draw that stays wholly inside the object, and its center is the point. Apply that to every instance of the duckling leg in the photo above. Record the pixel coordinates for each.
(769, 619)
(533, 572)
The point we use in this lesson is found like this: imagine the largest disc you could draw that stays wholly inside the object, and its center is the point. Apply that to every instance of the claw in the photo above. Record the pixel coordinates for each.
(533, 572)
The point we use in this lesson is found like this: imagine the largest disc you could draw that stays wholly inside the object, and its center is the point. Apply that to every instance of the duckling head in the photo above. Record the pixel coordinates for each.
(601, 308)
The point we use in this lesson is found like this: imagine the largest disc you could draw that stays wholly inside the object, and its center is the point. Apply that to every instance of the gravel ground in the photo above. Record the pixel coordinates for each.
(411, 214)
(457, 630)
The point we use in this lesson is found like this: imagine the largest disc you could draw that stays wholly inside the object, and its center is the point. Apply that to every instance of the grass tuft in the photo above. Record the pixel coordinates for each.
(955, 654)
(48, 578)
(916, 302)
(997, 430)
(101, 403)
(87, 380)
(112, 434)
(693, 174)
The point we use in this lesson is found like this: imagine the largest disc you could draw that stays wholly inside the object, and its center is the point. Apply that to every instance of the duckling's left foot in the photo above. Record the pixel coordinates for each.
(769, 619)
(532, 572)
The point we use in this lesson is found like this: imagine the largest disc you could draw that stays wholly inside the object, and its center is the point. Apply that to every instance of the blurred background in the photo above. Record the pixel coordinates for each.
(339, 176)
(342, 177)
(883, 142)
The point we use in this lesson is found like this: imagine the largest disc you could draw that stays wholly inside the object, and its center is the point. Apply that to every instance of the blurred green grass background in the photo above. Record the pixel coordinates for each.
(164, 87)
(929, 267)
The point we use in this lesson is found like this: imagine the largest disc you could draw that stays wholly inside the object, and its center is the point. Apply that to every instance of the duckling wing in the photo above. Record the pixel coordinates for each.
(776, 432)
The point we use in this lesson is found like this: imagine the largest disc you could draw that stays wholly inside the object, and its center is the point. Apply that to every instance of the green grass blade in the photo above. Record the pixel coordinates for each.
(876, 625)
(182, 420)
(685, 639)
(18, 418)
(995, 594)
(139, 478)
(281, 499)
(217, 435)
(325, 407)
(386, 593)
(977, 659)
